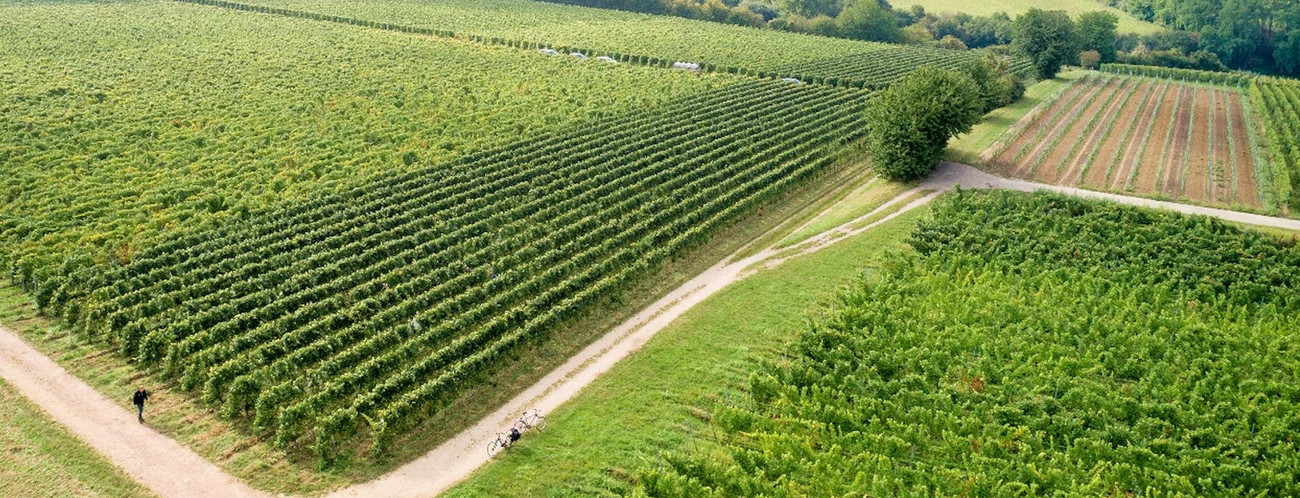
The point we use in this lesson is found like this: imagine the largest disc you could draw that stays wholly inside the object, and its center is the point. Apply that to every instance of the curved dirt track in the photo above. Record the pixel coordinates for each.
(169, 469)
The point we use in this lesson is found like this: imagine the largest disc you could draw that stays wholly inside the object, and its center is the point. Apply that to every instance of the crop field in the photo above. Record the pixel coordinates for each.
(1151, 137)
(1038, 345)
(1278, 102)
(377, 305)
(110, 141)
(644, 38)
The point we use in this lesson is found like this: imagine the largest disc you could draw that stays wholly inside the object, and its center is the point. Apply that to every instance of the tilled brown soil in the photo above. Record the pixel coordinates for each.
(1104, 163)
(1149, 165)
(1072, 172)
(1028, 138)
(1194, 179)
(1247, 189)
(1171, 183)
(1045, 135)
(1125, 176)
(1071, 131)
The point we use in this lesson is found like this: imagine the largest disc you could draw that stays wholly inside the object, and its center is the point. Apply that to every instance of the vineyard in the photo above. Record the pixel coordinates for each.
(109, 143)
(1156, 137)
(1278, 102)
(635, 38)
(376, 306)
(1037, 345)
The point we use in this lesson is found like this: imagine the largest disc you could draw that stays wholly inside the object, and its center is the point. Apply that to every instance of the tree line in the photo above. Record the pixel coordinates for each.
(1212, 35)
(1254, 35)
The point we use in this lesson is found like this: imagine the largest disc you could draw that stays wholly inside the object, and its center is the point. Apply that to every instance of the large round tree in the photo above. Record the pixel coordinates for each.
(909, 124)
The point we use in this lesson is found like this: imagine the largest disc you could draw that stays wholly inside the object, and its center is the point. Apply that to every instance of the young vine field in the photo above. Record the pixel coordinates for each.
(1035, 345)
(122, 122)
(376, 306)
(1162, 136)
(637, 38)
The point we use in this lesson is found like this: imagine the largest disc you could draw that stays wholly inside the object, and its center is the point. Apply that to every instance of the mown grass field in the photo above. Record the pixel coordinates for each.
(1127, 23)
(39, 458)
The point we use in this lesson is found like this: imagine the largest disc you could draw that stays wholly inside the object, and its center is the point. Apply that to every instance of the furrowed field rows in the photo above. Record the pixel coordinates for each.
(634, 38)
(117, 141)
(1190, 141)
(379, 305)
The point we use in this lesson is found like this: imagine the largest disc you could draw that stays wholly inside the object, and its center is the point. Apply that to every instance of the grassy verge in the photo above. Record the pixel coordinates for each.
(967, 148)
(249, 456)
(860, 201)
(38, 457)
(650, 402)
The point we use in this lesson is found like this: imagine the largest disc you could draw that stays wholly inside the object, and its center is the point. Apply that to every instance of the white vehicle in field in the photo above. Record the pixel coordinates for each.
(688, 66)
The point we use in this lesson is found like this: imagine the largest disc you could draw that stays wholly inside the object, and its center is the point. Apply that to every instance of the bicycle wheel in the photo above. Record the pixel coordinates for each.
(539, 422)
(493, 448)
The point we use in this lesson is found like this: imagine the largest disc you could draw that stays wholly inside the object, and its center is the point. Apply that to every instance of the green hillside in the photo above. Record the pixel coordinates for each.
(1127, 23)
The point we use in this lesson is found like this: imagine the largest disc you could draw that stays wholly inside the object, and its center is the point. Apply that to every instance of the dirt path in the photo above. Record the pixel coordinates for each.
(152, 459)
(172, 470)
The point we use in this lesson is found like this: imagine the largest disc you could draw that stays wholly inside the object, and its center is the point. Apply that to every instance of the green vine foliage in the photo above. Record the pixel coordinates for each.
(1036, 345)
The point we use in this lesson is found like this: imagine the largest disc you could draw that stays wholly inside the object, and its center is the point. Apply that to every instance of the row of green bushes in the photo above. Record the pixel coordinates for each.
(1213, 77)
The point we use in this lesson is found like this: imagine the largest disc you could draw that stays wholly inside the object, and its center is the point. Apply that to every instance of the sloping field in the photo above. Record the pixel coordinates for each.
(376, 307)
(1144, 136)
(1127, 23)
(640, 38)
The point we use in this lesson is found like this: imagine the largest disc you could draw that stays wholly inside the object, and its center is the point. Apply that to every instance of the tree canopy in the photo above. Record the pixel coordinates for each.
(909, 124)
(1047, 37)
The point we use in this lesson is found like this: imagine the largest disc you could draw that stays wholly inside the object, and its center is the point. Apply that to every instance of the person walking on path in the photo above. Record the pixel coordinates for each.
(138, 399)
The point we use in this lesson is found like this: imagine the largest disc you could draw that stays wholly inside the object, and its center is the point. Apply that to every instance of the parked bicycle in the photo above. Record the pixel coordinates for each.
(529, 420)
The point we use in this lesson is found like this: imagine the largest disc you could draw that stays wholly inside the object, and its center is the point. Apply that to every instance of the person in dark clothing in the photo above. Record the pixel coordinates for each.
(514, 435)
(140, 396)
